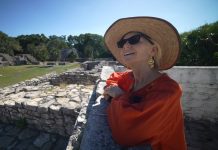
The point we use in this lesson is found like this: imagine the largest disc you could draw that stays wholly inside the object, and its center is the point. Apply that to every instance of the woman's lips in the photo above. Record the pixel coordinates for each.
(126, 54)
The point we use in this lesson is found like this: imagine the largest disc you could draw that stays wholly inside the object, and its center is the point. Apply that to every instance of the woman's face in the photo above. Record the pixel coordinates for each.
(137, 53)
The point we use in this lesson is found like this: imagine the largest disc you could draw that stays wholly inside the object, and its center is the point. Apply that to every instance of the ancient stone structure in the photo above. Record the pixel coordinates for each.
(6, 60)
(24, 59)
(71, 105)
(15, 138)
(50, 103)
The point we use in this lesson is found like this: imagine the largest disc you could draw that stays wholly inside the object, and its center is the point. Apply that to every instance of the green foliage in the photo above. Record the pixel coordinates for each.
(43, 48)
(9, 45)
(34, 39)
(40, 52)
(200, 46)
(89, 45)
(55, 45)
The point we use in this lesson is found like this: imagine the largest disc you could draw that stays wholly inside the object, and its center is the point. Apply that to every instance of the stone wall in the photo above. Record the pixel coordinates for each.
(76, 77)
(200, 91)
(98, 64)
(50, 103)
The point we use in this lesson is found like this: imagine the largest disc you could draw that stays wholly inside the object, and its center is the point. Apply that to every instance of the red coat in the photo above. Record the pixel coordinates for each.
(151, 114)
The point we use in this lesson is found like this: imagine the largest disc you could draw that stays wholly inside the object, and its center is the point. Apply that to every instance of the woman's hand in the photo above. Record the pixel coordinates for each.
(112, 91)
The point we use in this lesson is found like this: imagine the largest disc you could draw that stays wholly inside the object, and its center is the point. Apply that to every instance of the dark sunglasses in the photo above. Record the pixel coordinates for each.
(133, 40)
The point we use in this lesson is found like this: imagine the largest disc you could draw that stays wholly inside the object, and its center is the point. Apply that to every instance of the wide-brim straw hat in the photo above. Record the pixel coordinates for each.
(160, 30)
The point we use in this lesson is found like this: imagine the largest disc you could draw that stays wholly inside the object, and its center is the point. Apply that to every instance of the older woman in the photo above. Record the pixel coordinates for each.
(145, 106)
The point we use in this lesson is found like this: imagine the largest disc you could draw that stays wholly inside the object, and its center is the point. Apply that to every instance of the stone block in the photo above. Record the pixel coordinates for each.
(9, 103)
(55, 109)
(69, 110)
(46, 116)
(69, 119)
(43, 108)
(41, 140)
(20, 102)
(62, 101)
(59, 122)
(100, 88)
(31, 105)
(106, 72)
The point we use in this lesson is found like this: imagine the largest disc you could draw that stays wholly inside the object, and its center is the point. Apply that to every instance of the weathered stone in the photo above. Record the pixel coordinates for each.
(81, 118)
(26, 88)
(8, 91)
(43, 108)
(14, 116)
(31, 105)
(100, 88)
(61, 144)
(61, 94)
(9, 103)
(17, 95)
(62, 101)
(46, 116)
(13, 132)
(32, 147)
(69, 129)
(27, 133)
(6, 141)
(47, 146)
(24, 144)
(2, 105)
(55, 108)
(49, 122)
(20, 102)
(75, 98)
(32, 95)
(74, 90)
(70, 108)
(41, 140)
(59, 122)
(105, 73)
(69, 119)
(86, 90)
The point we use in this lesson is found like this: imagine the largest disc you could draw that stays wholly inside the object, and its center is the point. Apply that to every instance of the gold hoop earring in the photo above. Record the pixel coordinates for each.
(151, 62)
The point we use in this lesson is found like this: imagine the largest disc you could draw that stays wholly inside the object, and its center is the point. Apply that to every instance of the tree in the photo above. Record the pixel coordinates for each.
(89, 45)
(35, 39)
(54, 46)
(40, 52)
(8, 44)
(200, 46)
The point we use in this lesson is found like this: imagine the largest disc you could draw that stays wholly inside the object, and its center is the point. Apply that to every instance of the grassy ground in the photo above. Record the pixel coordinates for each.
(13, 74)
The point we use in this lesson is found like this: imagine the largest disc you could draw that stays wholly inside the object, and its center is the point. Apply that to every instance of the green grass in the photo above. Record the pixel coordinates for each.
(13, 74)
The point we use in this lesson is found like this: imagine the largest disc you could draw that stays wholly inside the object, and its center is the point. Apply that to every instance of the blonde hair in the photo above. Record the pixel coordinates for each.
(157, 55)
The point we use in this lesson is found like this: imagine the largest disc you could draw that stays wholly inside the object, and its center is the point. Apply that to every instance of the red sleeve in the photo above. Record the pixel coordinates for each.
(114, 78)
(123, 80)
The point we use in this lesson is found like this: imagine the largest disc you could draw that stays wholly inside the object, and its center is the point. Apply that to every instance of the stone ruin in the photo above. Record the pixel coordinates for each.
(70, 104)
(21, 59)
(25, 59)
(6, 60)
(52, 103)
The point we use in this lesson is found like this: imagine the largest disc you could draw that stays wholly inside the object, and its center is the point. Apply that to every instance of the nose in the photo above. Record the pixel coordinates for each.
(127, 46)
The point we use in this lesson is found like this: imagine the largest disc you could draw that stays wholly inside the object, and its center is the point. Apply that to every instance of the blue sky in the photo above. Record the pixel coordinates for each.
(73, 17)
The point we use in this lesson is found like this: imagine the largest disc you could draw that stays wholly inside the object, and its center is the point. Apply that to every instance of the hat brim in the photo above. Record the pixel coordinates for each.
(161, 31)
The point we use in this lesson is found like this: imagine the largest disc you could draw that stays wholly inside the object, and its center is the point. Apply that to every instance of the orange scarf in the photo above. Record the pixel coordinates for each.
(150, 115)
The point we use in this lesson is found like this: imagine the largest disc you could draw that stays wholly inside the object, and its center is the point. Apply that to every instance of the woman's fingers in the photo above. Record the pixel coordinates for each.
(113, 91)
